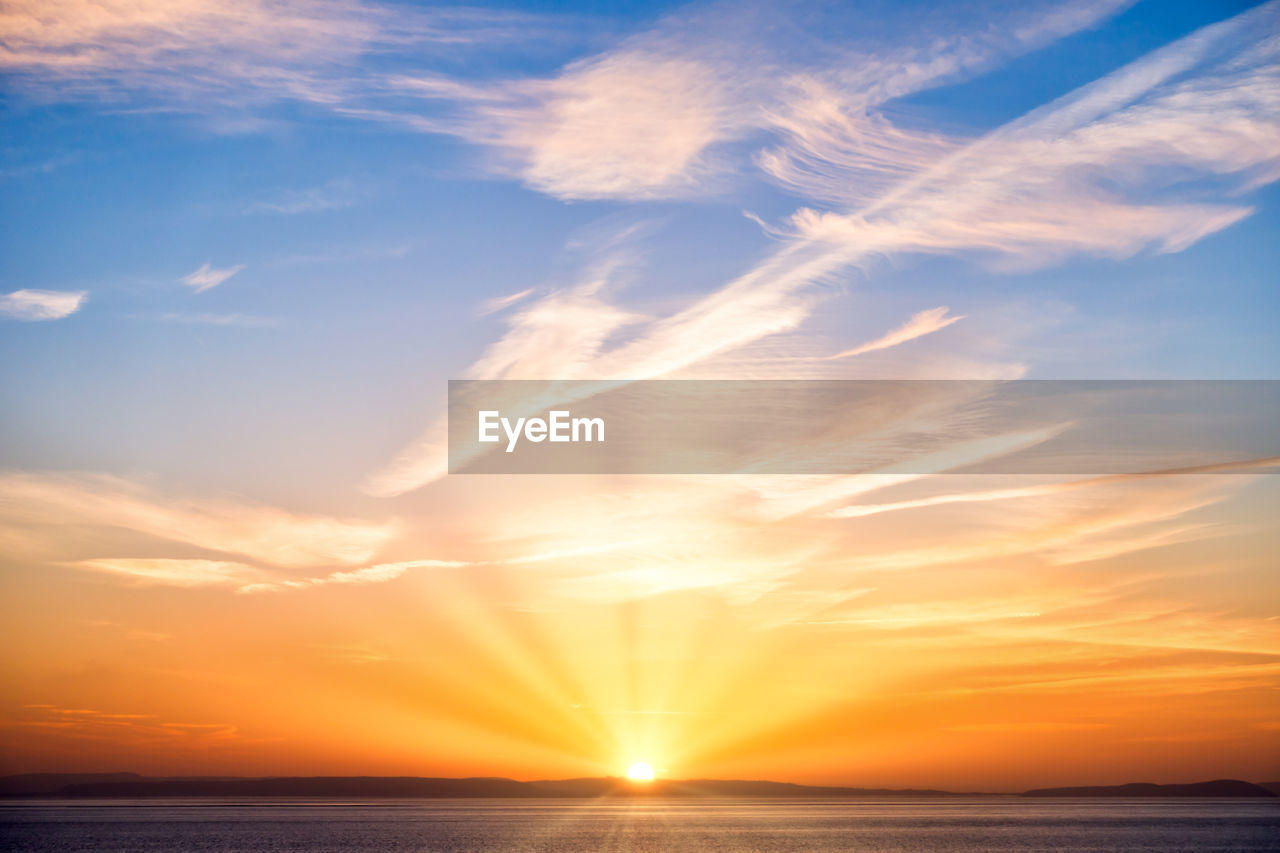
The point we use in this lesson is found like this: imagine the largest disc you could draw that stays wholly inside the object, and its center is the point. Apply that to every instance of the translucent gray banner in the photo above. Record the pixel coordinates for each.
(862, 426)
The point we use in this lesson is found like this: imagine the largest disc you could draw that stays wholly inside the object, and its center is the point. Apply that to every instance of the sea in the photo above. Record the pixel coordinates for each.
(651, 825)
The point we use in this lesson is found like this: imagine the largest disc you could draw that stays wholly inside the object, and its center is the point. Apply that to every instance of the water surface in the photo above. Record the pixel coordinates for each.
(651, 825)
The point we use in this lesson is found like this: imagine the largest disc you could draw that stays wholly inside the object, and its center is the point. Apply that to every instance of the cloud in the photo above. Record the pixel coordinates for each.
(566, 335)
(33, 305)
(131, 730)
(145, 44)
(862, 510)
(1081, 175)
(921, 324)
(630, 124)
(206, 277)
(373, 574)
(1088, 174)
(558, 335)
(833, 148)
(384, 572)
(656, 116)
(1059, 527)
(780, 497)
(202, 55)
(749, 567)
(171, 572)
(492, 306)
(261, 533)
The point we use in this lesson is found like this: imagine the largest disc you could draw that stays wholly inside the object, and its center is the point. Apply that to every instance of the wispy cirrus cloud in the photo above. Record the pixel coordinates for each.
(380, 573)
(383, 572)
(1040, 578)
(558, 335)
(631, 124)
(1123, 517)
(1041, 489)
(653, 117)
(921, 324)
(173, 572)
(130, 729)
(92, 46)
(261, 533)
(499, 303)
(208, 276)
(1094, 173)
(1088, 174)
(199, 55)
(650, 118)
(35, 305)
(834, 147)
(1080, 175)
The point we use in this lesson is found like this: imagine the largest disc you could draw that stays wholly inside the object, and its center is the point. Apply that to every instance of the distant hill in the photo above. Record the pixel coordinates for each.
(1217, 788)
(132, 785)
(721, 788)
(48, 783)
(1273, 787)
(365, 787)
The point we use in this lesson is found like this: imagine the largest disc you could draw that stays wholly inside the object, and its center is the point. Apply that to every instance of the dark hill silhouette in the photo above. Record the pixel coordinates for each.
(132, 785)
(718, 788)
(360, 787)
(48, 783)
(1273, 787)
(1216, 788)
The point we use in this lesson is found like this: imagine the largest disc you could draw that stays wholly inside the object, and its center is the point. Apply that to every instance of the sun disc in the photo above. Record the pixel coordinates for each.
(640, 772)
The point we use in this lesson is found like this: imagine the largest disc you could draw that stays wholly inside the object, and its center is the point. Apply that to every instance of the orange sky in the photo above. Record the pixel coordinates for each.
(246, 244)
(969, 646)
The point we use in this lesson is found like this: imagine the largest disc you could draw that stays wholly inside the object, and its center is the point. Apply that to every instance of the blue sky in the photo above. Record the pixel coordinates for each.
(367, 227)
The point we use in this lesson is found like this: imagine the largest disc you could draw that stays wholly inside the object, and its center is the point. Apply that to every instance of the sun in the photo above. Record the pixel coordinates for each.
(640, 772)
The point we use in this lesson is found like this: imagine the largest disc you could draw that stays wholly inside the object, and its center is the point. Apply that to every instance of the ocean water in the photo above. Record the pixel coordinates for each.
(649, 825)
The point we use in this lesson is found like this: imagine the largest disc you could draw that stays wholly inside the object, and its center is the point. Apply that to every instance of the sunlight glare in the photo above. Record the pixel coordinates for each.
(640, 772)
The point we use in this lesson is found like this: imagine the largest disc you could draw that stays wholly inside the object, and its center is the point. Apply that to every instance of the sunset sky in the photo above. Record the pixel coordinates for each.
(246, 244)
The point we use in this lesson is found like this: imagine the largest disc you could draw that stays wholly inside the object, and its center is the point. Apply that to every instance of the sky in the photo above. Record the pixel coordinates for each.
(246, 244)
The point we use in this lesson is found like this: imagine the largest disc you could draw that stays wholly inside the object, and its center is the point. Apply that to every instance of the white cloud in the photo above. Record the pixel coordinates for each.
(32, 305)
(1079, 176)
(653, 117)
(559, 335)
(498, 303)
(1060, 525)
(630, 124)
(203, 55)
(206, 277)
(1042, 489)
(384, 572)
(262, 533)
(832, 148)
(921, 324)
(170, 572)
(380, 573)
